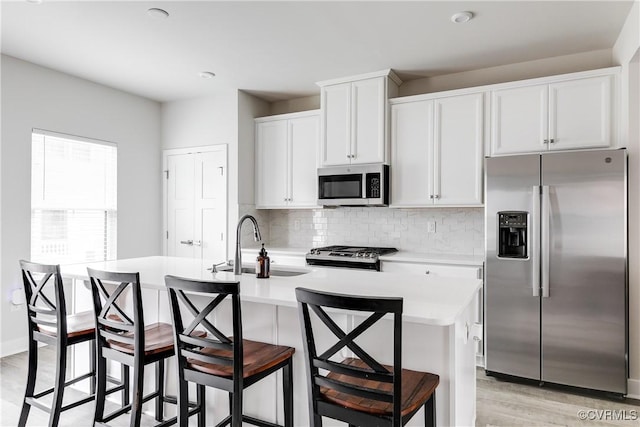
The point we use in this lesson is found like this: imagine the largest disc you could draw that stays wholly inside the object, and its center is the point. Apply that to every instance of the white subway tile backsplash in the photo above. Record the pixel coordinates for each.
(458, 230)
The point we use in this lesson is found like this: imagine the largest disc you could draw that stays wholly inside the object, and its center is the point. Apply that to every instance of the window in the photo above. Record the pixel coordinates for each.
(73, 199)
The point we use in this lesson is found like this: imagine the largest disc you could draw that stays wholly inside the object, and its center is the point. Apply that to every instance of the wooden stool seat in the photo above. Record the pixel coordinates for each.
(417, 388)
(78, 324)
(158, 338)
(257, 357)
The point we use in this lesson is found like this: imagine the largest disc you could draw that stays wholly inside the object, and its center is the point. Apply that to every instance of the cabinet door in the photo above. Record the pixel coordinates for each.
(336, 133)
(580, 113)
(303, 144)
(271, 164)
(458, 146)
(368, 120)
(519, 120)
(411, 154)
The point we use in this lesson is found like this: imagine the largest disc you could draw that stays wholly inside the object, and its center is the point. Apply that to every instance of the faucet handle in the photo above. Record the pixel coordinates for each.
(214, 268)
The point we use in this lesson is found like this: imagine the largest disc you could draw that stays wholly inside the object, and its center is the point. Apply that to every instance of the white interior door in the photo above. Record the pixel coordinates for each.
(180, 207)
(210, 201)
(196, 202)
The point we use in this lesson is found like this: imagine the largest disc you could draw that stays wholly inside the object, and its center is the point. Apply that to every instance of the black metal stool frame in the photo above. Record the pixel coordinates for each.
(318, 407)
(108, 328)
(188, 347)
(43, 315)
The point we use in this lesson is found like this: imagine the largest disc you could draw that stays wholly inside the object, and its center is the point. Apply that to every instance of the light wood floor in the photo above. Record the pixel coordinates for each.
(499, 403)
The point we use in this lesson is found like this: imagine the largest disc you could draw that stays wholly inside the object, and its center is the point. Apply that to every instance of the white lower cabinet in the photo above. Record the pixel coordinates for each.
(286, 153)
(437, 151)
(450, 270)
(442, 270)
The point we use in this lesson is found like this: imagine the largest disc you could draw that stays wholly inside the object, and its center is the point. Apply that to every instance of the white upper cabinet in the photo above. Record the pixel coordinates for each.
(303, 146)
(286, 148)
(458, 150)
(412, 154)
(573, 112)
(336, 142)
(354, 118)
(519, 122)
(580, 113)
(437, 151)
(368, 120)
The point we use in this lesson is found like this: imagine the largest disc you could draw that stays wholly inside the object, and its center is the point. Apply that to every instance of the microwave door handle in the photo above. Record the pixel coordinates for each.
(364, 186)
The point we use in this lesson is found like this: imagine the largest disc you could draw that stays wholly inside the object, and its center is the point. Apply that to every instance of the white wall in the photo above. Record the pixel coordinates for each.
(226, 118)
(626, 52)
(510, 72)
(294, 105)
(203, 121)
(38, 97)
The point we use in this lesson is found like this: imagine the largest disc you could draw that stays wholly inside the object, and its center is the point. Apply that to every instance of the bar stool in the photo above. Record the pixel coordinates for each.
(125, 339)
(361, 391)
(227, 363)
(50, 324)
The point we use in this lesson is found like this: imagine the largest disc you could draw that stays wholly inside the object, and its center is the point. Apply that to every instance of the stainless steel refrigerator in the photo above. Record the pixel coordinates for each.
(556, 268)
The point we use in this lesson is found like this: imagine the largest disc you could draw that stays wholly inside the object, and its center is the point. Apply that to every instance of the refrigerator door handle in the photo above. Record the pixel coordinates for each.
(545, 235)
(535, 242)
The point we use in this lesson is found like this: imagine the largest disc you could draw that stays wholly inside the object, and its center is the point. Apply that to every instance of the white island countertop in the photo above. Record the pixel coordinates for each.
(428, 300)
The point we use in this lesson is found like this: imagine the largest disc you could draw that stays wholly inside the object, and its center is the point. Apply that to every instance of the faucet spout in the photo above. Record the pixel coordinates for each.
(237, 263)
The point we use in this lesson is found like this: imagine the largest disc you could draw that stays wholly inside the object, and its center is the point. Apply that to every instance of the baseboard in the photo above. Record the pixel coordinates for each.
(8, 348)
(479, 360)
(633, 389)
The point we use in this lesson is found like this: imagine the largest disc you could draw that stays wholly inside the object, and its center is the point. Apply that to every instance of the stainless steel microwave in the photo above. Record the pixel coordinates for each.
(354, 185)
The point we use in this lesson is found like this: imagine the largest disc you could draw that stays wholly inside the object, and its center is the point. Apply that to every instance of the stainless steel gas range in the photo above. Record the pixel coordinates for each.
(348, 256)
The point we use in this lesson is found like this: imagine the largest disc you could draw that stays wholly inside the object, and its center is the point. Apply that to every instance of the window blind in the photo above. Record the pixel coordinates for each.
(73, 199)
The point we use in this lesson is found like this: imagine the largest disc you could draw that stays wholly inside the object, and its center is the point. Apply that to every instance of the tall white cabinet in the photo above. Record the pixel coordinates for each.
(574, 111)
(354, 118)
(437, 150)
(286, 152)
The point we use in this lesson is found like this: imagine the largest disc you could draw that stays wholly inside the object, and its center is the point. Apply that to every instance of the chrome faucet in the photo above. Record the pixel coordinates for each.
(237, 263)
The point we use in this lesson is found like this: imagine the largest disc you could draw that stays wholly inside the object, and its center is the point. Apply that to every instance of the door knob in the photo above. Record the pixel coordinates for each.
(186, 242)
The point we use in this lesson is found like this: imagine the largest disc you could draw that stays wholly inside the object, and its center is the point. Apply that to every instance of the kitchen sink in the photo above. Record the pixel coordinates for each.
(274, 272)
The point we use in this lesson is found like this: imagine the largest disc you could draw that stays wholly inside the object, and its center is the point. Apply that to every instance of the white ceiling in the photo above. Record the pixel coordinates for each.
(278, 50)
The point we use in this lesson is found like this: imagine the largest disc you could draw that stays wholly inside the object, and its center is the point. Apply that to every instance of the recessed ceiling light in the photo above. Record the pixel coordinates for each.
(206, 74)
(461, 17)
(34, 1)
(157, 13)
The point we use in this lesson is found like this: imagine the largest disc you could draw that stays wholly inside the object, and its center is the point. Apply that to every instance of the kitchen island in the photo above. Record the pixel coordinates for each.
(437, 321)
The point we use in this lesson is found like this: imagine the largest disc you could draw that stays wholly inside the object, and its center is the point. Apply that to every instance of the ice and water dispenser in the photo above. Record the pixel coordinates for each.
(512, 234)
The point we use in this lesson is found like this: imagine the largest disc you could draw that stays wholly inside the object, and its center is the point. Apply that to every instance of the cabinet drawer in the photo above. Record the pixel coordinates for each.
(460, 271)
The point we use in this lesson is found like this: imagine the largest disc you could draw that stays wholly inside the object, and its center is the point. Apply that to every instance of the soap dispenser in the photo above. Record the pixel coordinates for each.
(262, 264)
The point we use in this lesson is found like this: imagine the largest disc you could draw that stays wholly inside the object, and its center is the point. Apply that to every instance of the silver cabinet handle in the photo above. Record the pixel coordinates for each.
(197, 243)
(437, 196)
(551, 141)
(546, 141)
(186, 242)
(427, 272)
(431, 196)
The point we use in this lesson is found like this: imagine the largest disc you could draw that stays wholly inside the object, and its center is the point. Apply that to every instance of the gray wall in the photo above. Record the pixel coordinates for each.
(38, 97)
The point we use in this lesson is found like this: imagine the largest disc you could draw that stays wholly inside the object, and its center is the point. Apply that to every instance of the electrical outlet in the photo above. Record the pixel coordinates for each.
(431, 227)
